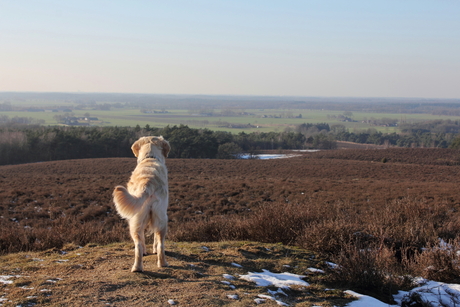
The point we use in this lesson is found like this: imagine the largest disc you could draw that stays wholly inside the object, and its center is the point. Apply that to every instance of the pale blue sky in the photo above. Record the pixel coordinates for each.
(386, 48)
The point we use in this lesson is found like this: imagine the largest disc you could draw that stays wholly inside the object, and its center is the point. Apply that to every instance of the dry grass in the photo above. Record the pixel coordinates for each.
(96, 275)
(378, 221)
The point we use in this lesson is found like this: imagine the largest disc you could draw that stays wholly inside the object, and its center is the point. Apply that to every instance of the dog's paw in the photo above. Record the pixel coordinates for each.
(136, 269)
(163, 265)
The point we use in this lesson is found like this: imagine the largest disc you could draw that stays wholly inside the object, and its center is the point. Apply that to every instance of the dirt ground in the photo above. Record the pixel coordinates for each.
(100, 276)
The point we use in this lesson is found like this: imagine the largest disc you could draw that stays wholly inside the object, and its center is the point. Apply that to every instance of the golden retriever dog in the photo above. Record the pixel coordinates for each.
(145, 202)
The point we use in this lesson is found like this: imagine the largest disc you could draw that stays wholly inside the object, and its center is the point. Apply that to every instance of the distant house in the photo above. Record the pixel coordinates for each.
(75, 121)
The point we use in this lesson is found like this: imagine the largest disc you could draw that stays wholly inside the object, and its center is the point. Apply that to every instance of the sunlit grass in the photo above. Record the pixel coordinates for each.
(262, 120)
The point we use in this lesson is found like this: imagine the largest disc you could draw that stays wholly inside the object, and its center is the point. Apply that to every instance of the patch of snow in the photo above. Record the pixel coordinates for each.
(233, 296)
(5, 279)
(259, 301)
(278, 302)
(268, 156)
(332, 265)
(280, 280)
(314, 270)
(237, 265)
(434, 293)
(205, 248)
(364, 301)
(171, 302)
(228, 276)
(228, 284)
(279, 291)
(264, 296)
(306, 150)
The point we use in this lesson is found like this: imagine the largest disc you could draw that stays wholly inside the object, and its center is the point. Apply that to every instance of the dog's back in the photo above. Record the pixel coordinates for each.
(144, 203)
(148, 183)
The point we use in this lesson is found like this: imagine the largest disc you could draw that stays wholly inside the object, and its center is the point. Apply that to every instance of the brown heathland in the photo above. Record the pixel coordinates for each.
(394, 202)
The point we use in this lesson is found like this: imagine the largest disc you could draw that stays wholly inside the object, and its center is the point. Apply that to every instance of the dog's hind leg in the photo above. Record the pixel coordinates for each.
(159, 246)
(154, 244)
(137, 233)
(144, 248)
(160, 227)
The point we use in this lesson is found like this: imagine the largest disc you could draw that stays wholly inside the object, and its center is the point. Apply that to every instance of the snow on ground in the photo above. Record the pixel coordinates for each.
(268, 156)
(431, 292)
(434, 293)
(6, 279)
(364, 300)
(281, 280)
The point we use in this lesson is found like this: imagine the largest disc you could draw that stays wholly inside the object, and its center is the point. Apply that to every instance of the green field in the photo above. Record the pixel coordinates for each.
(261, 119)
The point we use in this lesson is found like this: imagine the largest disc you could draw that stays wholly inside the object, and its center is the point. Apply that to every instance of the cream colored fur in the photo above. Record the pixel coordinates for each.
(145, 201)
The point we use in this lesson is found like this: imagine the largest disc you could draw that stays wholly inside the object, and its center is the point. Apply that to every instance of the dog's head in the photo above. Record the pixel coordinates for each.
(148, 145)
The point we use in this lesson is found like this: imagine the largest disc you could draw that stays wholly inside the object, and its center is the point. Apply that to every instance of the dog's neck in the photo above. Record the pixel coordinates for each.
(150, 155)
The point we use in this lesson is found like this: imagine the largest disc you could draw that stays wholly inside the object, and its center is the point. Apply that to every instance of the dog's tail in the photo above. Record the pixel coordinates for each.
(126, 204)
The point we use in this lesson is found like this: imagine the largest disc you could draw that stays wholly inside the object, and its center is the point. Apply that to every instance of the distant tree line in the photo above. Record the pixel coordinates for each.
(34, 143)
(22, 144)
(437, 133)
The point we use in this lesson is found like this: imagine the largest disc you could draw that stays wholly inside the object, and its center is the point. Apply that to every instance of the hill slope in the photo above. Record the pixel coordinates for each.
(392, 204)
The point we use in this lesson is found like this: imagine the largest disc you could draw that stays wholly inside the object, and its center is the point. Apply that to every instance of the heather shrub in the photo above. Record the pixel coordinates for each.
(327, 236)
(15, 238)
(438, 261)
(370, 269)
(276, 222)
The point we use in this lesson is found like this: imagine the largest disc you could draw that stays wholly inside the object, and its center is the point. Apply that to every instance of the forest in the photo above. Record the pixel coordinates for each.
(34, 143)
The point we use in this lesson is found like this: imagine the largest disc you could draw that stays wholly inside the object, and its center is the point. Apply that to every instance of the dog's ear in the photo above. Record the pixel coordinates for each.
(165, 147)
(137, 146)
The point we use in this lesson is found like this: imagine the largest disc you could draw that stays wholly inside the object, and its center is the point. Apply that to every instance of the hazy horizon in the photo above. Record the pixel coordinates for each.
(359, 49)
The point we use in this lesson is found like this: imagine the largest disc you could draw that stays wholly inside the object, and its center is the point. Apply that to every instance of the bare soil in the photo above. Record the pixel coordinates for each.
(100, 276)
